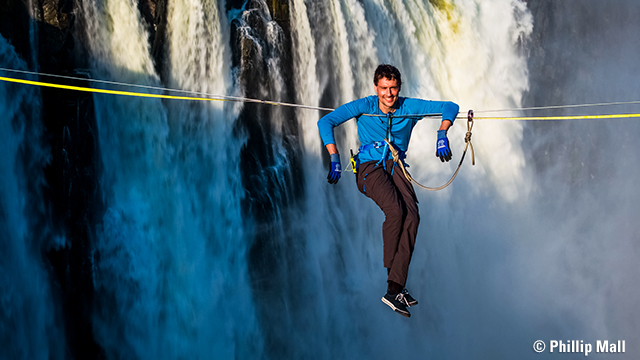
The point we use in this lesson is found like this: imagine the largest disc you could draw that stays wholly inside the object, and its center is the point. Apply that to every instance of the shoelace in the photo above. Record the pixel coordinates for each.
(405, 293)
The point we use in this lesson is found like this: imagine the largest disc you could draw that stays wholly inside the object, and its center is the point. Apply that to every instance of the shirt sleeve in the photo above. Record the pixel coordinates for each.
(448, 109)
(338, 116)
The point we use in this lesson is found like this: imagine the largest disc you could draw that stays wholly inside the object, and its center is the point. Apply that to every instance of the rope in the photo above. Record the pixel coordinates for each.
(203, 96)
(212, 97)
(157, 96)
(468, 145)
(563, 106)
(570, 117)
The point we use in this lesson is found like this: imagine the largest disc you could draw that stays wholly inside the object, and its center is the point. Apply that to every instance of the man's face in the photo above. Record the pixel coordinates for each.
(387, 91)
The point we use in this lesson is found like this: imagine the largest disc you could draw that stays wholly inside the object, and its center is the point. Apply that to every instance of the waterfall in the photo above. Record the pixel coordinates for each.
(207, 162)
(133, 142)
(220, 237)
(171, 180)
(170, 249)
(29, 318)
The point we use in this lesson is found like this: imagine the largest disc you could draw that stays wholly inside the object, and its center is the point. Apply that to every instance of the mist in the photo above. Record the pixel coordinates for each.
(586, 170)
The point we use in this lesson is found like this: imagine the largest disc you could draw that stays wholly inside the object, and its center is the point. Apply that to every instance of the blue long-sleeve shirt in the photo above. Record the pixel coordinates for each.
(374, 128)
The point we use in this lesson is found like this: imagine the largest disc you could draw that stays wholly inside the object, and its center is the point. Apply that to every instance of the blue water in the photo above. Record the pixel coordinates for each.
(29, 318)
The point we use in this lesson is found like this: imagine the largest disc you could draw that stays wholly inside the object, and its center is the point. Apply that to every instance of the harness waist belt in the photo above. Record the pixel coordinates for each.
(381, 144)
(375, 145)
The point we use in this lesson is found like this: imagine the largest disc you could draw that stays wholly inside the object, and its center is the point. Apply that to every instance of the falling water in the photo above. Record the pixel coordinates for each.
(207, 158)
(133, 143)
(29, 319)
(170, 248)
(220, 237)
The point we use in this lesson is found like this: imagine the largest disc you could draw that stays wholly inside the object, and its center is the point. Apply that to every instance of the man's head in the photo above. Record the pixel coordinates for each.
(387, 83)
(387, 71)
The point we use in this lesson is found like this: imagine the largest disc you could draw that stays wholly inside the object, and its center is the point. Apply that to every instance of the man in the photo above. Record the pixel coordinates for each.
(393, 119)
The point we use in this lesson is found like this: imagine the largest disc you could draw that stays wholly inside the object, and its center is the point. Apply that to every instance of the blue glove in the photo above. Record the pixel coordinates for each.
(442, 146)
(336, 169)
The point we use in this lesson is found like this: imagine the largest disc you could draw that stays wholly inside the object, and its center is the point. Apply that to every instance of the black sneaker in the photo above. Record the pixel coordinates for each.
(396, 302)
(408, 299)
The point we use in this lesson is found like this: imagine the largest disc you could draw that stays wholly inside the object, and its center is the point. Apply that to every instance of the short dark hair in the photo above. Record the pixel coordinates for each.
(387, 71)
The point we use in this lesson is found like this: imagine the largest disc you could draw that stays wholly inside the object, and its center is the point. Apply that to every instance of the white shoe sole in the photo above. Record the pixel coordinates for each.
(390, 304)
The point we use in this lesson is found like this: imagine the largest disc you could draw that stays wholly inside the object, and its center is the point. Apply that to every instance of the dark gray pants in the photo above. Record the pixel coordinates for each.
(396, 198)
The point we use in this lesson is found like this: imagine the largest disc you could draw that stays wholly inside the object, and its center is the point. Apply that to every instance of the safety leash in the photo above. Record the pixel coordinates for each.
(468, 145)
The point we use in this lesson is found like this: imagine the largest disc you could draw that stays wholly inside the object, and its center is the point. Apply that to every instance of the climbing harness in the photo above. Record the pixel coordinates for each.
(398, 157)
(387, 145)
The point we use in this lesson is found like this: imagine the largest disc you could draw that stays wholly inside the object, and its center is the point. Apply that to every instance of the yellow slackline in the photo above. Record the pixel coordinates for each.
(569, 117)
(275, 103)
(157, 96)
(112, 92)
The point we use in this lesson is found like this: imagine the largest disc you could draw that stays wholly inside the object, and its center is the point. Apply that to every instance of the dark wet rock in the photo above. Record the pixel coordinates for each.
(14, 25)
(75, 201)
